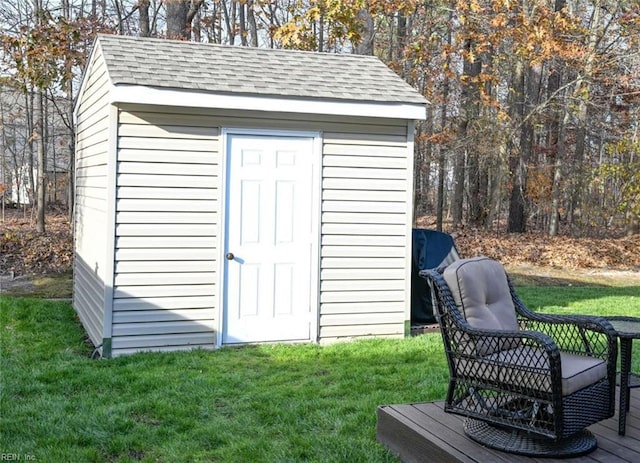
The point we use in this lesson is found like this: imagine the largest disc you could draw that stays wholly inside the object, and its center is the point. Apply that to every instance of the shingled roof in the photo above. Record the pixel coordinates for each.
(247, 71)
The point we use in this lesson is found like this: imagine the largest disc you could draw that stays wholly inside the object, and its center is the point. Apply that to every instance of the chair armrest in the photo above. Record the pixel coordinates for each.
(579, 334)
(519, 361)
(477, 343)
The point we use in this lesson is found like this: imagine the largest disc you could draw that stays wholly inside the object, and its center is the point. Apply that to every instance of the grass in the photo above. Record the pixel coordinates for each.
(587, 300)
(277, 403)
(270, 403)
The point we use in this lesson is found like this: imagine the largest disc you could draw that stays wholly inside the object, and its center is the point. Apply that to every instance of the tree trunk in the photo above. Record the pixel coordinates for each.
(555, 143)
(180, 14)
(421, 173)
(242, 22)
(583, 88)
(29, 111)
(321, 32)
(251, 22)
(517, 166)
(227, 22)
(143, 18)
(457, 200)
(442, 158)
(401, 36)
(478, 190)
(469, 100)
(177, 27)
(442, 155)
(72, 151)
(365, 46)
(39, 137)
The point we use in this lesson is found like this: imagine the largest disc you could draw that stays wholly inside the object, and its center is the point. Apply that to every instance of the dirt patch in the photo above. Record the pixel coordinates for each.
(15, 286)
(50, 286)
(532, 275)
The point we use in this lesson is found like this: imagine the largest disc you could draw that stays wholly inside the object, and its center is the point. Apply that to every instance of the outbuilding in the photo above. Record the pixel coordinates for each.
(232, 195)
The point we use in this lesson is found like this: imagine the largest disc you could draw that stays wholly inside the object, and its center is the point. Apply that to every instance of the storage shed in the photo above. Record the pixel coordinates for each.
(229, 195)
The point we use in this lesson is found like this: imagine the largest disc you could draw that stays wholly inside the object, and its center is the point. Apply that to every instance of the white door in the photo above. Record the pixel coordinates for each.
(268, 239)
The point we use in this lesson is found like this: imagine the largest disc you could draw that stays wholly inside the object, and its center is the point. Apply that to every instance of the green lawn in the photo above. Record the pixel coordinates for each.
(277, 403)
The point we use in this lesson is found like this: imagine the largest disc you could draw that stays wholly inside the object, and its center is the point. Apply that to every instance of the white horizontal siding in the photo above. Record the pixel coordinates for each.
(166, 131)
(370, 285)
(87, 181)
(364, 206)
(363, 218)
(166, 168)
(360, 251)
(329, 334)
(368, 139)
(363, 263)
(89, 207)
(265, 120)
(88, 299)
(350, 274)
(91, 182)
(362, 296)
(189, 343)
(154, 328)
(150, 266)
(166, 254)
(179, 181)
(166, 156)
(364, 240)
(165, 278)
(361, 307)
(122, 345)
(167, 193)
(163, 315)
(333, 148)
(164, 242)
(168, 210)
(160, 290)
(168, 219)
(166, 205)
(363, 173)
(92, 155)
(363, 184)
(363, 195)
(364, 236)
(364, 162)
(123, 305)
(166, 234)
(363, 229)
(360, 319)
(172, 144)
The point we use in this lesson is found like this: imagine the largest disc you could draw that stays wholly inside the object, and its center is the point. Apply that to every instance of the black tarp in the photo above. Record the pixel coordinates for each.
(431, 249)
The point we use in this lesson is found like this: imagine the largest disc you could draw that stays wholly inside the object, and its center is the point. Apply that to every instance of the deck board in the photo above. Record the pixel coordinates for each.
(423, 432)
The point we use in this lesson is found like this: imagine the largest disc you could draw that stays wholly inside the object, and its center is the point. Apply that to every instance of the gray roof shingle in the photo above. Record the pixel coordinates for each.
(252, 71)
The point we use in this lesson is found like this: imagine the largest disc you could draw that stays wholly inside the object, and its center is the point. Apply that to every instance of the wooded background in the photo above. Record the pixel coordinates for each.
(534, 117)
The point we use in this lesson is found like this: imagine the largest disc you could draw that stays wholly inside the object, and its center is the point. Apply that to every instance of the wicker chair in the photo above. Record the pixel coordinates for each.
(528, 383)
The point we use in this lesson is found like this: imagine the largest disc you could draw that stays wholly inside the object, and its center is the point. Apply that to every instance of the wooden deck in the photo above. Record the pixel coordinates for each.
(422, 432)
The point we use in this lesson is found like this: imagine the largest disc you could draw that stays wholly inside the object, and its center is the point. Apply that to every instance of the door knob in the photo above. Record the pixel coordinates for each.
(230, 256)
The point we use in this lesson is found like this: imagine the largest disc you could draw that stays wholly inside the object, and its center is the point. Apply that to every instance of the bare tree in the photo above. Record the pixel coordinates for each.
(180, 15)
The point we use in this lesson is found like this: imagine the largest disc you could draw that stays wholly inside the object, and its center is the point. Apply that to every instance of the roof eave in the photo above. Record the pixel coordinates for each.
(137, 94)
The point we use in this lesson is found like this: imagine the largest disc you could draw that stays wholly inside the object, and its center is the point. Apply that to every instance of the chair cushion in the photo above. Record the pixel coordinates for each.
(481, 291)
(531, 368)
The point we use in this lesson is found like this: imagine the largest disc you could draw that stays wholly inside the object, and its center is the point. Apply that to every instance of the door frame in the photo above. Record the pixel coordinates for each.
(316, 174)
